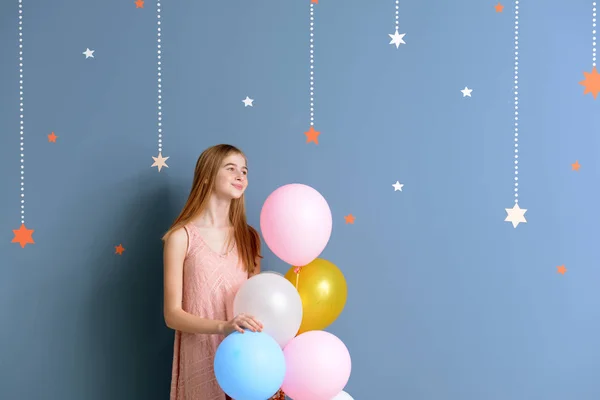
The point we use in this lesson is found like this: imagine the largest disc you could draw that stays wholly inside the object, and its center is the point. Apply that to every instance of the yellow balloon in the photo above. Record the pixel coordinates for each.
(322, 288)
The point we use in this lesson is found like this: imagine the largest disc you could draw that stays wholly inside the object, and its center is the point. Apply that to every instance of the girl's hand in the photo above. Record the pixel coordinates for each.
(241, 322)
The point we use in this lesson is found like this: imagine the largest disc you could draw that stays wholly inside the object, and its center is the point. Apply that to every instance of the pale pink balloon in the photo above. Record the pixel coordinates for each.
(318, 366)
(296, 222)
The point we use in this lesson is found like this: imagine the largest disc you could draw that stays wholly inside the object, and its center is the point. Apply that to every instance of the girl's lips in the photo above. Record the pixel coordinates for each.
(238, 187)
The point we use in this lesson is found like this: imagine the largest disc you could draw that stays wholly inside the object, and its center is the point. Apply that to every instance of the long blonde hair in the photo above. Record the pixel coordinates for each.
(246, 238)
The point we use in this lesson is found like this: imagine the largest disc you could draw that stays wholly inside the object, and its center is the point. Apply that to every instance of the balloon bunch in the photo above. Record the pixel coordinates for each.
(293, 352)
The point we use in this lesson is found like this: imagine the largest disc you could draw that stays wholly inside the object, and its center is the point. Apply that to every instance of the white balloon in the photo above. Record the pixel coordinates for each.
(274, 301)
(343, 396)
(272, 272)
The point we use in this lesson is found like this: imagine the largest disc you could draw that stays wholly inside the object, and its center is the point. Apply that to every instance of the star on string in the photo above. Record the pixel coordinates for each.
(397, 186)
(575, 166)
(88, 53)
(312, 135)
(466, 92)
(561, 269)
(119, 249)
(516, 215)
(23, 236)
(591, 82)
(397, 38)
(160, 161)
(248, 102)
(349, 218)
(499, 7)
(52, 138)
(139, 4)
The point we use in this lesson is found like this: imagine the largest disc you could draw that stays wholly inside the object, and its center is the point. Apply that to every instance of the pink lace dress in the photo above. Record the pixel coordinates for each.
(210, 282)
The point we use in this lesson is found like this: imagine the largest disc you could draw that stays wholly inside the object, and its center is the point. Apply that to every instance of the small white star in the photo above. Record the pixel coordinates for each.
(160, 161)
(515, 215)
(397, 38)
(248, 102)
(397, 186)
(466, 92)
(88, 53)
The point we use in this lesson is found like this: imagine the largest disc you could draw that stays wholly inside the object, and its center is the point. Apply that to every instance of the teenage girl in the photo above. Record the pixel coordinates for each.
(209, 252)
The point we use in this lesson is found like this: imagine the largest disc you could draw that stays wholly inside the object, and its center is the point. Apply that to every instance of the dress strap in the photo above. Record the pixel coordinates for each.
(192, 234)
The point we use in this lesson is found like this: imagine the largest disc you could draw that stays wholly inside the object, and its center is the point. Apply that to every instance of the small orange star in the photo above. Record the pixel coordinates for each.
(52, 138)
(119, 249)
(312, 135)
(591, 82)
(561, 269)
(23, 236)
(349, 218)
(314, 1)
(499, 7)
(139, 4)
(575, 166)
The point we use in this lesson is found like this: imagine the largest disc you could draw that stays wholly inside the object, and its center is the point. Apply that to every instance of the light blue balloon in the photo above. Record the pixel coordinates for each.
(249, 366)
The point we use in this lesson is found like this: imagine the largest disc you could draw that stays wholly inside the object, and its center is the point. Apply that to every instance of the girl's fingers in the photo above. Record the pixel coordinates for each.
(251, 325)
(256, 325)
(259, 324)
(253, 320)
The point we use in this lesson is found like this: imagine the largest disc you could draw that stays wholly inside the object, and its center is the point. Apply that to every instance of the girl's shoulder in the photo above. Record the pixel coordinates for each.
(176, 243)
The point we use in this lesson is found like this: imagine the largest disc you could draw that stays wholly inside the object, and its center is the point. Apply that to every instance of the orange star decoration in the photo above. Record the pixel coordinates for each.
(314, 1)
(561, 269)
(349, 218)
(23, 236)
(591, 82)
(312, 135)
(52, 138)
(499, 7)
(119, 249)
(575, 166)
(139, 4)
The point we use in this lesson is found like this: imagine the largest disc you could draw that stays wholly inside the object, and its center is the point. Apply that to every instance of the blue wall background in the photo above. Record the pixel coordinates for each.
(446, 300)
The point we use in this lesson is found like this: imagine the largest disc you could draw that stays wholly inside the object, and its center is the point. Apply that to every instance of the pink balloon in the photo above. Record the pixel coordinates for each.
(295, 221)
(317, 366)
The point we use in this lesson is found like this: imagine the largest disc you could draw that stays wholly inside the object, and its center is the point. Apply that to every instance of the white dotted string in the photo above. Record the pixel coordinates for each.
(22, 127)
(312, 60)
(158, 51)
(397, 12)
(594, 34)
(516, 101)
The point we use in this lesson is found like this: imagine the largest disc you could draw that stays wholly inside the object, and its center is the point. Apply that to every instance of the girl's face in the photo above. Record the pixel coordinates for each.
(232, 178)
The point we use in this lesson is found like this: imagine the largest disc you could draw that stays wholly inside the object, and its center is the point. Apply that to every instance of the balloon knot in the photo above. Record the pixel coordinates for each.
(297, 270)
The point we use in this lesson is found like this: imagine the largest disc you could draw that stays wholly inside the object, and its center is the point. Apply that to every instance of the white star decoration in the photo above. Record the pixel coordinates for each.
(515, 215)
(466, 92)
(397, 186)
(88, 53)
(160, 161)
(397, 38)
(248, 102)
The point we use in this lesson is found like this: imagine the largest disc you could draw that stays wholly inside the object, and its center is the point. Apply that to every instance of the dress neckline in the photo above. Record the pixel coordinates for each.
(210, 249)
